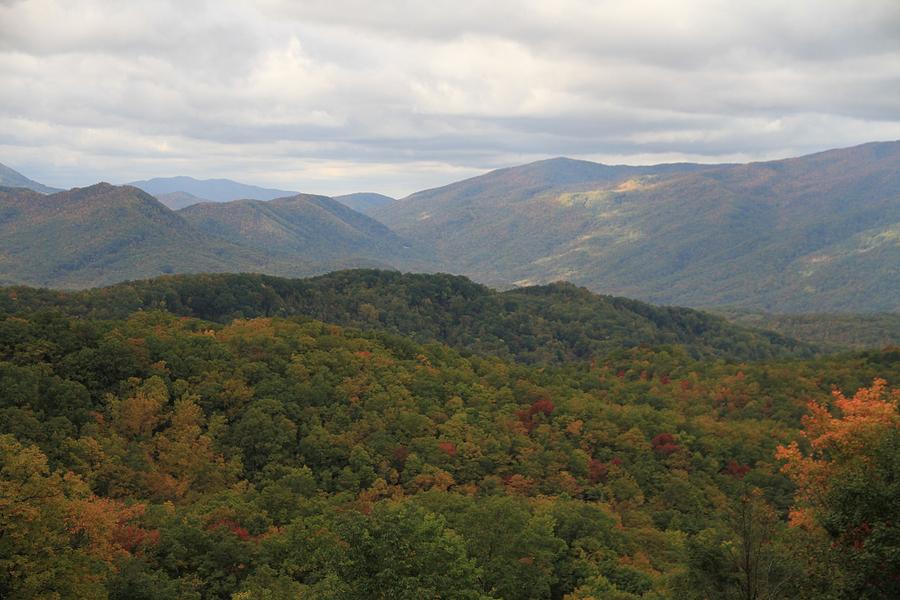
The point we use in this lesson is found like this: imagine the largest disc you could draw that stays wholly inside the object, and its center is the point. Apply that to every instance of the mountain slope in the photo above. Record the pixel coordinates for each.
(14, 179)
(104, 233)
(545, 324)
(215, 190)
(299, 225)
(815, 233)
(365, 202)
(488, 226)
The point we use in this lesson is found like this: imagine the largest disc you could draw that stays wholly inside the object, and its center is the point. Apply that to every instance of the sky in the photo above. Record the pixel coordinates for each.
(393, 96)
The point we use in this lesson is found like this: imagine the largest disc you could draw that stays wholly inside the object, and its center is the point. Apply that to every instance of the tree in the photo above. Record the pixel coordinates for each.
(848, 482)
(37, 558)
(743, 560)
(398, 552)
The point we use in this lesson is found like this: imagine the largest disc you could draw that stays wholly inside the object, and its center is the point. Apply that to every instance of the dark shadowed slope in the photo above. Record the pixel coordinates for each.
(815, 233)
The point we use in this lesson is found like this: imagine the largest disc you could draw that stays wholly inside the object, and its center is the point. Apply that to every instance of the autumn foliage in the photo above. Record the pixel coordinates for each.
(847, 473)
(836, 440)
(165, 457)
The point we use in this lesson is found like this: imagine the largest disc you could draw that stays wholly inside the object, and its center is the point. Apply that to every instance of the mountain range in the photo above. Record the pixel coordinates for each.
(209, 190)
(818, 233)
(815, 233)
(299, 225)
(103, 234)
(181, 192)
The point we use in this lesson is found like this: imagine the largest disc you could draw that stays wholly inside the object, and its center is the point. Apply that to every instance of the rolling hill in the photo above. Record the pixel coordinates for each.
(103, 234)
(300, 225)
(815, 233)
(365, 202)
(14, 179)
(213, 190)
(542, 324)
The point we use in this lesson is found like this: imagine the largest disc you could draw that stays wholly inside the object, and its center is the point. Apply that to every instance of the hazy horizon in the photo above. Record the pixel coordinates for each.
(439, 184)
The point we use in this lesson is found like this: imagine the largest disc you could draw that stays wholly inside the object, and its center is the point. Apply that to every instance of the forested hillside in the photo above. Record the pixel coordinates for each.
(552, 323)
(159, 456)
(105, 234)
(813, 234)
(828, 331)
(816, 233)
(301, 225)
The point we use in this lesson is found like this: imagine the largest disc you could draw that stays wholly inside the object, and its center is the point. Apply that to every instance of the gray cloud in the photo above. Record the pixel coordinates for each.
(342, 95)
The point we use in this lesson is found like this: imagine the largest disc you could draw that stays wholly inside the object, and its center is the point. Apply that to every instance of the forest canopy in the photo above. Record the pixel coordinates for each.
(158, 455)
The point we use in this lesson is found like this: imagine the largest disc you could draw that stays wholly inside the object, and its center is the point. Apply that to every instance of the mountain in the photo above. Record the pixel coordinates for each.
(365, 202)
(819, 233)
(214, 190)
(300, 225)
(491, 227)
(542, 324)
(105, 233)
(14, 179)
(179, 200)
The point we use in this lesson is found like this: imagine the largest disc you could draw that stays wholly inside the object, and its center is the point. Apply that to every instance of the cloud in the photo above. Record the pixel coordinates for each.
(336, 96)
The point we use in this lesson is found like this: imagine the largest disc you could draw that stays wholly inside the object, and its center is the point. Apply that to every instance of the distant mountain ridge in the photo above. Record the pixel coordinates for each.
(300, 225)
(179, 200)
(365, 202)
(181, 192)
(814, 233)
(13, 179)
(213, 190)
(103, 234)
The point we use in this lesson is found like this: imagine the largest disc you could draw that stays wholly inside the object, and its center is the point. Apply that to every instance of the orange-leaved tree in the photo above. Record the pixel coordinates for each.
(847, 474)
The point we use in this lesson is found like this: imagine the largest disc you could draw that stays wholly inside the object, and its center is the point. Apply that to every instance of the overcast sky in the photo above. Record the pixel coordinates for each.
(336, 96)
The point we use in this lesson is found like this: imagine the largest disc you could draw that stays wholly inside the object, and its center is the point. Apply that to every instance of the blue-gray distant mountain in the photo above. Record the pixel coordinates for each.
(365, 202)
(179, 200)
(14, 179)
(213, 190)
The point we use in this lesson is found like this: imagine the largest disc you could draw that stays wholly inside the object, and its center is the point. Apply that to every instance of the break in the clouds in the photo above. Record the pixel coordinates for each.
(343, 95)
